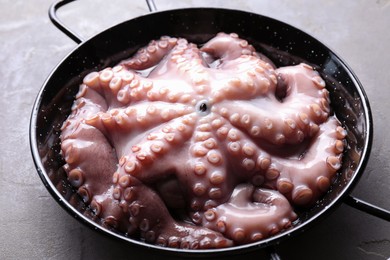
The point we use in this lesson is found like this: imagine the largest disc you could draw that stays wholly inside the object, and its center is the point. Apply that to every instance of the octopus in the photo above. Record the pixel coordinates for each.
(200, 147)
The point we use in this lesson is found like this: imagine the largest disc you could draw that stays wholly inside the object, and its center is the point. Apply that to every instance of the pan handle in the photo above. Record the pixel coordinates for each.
(151, 5)
(66, 30)
(272, 254)
(57, 22)
(367, 207)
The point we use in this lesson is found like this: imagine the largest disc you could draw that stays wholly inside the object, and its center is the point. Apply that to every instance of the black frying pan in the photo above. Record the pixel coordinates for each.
(282, 43)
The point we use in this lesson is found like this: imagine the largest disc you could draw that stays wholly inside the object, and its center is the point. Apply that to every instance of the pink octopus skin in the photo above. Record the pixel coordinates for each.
(206, 147)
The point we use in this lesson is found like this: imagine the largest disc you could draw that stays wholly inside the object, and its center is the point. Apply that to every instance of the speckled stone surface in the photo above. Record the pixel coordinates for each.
(34, 226)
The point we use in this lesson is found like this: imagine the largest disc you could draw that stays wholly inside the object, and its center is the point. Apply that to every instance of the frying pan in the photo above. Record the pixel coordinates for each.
(282, 43)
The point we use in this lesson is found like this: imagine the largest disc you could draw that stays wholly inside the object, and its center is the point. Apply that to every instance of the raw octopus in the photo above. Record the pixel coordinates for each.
(201, 147)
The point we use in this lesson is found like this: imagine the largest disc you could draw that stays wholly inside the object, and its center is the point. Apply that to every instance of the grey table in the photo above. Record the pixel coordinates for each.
(34, 226)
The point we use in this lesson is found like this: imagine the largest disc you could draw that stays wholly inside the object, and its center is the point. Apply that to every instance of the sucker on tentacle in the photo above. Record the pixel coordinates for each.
(201, 147)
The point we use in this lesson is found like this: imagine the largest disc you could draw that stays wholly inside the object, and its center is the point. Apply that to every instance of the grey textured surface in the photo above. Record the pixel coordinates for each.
(34, 226)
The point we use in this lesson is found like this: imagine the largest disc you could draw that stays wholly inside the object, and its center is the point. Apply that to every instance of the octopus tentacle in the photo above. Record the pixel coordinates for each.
(304, 179)
(161, 229)
(208, 183)
(207, 180)
(243, 78)
(252, 165)
(242, 74)
(90, 157)
(152, 54)
(123, 87)
(250, 214)
(141, 157)
(247, 161)
(191, 237)
(227, 47)
(139, 202)
(279, 123)
(138, 117)
(90, 164)
(78, 155)
(186, 64)
(109, 81)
